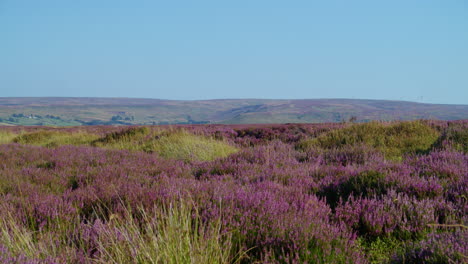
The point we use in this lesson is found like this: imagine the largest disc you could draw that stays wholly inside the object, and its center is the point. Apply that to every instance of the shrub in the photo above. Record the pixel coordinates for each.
(352, 155)
(281, 224)
(454, 136)
(381, 249)
(124, 137)
(437, 248)
(363, 184)
(395, 214)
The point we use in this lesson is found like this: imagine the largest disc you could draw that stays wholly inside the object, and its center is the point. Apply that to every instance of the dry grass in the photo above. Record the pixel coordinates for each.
(171, 144)
(173, 235)
(54, 138)
(6, 137)
(393, 140)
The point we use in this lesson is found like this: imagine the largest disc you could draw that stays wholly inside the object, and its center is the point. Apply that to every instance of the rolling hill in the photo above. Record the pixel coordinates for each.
(58, 111)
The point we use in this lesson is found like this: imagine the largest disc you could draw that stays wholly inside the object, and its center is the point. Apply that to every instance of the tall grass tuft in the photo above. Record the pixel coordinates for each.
(23, 243)
(173, 235)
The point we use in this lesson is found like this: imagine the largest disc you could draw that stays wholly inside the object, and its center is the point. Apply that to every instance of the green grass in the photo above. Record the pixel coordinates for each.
(185, 146)
(131, 139)
(21, 241)
(52, 138)
(382, 249)
(393, 140)
(171, 144)
(6, 137)
(173, 235)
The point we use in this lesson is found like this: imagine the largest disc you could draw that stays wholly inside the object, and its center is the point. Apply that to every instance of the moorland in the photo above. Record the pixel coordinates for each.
(376, 192)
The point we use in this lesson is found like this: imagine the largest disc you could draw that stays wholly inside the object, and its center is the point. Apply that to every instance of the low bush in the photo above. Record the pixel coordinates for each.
(381, 249)
(363, 184)
(398, 215)
(454, 136)
(437, 248)
(124, 138)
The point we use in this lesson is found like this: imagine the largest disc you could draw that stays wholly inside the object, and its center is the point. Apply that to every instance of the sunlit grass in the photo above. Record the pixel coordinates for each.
(393, 140)
(186, 146)
(172, 144)
(51, 138)
(6, 137)
(171, 235)
(22, 242)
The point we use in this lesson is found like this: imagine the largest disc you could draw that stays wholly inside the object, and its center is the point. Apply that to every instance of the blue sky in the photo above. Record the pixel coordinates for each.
(400, 50)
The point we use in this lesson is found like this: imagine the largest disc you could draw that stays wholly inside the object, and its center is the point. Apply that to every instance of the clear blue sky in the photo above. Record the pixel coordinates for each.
(414, 50)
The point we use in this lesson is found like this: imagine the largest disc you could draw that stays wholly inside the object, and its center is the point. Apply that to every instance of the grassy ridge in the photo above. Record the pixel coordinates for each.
(393, 140)
(174, 144)
(55, 138)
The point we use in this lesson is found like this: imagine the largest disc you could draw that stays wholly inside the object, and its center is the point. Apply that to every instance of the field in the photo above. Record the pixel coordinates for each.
(378, 192)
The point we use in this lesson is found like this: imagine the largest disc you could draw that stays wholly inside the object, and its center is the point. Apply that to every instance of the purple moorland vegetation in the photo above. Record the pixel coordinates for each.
(283, 197)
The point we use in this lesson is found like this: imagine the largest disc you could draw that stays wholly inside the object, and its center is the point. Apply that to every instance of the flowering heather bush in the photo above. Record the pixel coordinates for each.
(325, 193)
(393, 214)
(449, 247)
(455, 136)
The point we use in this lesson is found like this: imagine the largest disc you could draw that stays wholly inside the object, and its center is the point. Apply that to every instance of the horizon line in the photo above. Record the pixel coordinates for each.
(227, 99)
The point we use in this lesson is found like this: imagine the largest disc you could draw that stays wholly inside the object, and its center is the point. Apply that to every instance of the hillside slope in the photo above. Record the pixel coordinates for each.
(92, 111)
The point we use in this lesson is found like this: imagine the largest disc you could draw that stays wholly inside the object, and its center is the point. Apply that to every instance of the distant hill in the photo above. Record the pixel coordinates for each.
(109, 111)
